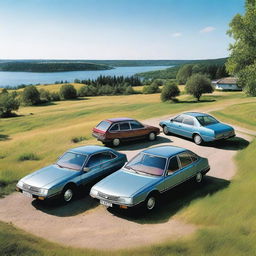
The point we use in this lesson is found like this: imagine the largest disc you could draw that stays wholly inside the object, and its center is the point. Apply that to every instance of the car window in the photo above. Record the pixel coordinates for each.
(185, 159)
(136, 125)
(114, 128)
(188, 120)
(173, 165)
(106, 156)
(94, 160)
(124, 126)
(178, 119)
(72, 160)
(206, 120)
(193, 156)
(103, 125)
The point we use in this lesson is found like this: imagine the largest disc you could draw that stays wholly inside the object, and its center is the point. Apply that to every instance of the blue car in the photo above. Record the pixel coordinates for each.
(198, 126)
(149, 174)
(77, 167)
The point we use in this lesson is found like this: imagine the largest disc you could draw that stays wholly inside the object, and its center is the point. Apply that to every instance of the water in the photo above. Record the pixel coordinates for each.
(18, 78)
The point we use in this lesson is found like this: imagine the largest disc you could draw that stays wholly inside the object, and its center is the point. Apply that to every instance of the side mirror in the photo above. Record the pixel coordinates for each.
(86, 169)
(171, 120)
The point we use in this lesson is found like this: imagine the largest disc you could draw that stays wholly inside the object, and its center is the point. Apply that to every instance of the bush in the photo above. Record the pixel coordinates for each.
(55, 96)
(152, 88)
(28, 156)
(45, 95)
(170, 91)
(68, 91)
(78, 139)
(30, 96)
(129, 90)
(8, 103)
(198, 84)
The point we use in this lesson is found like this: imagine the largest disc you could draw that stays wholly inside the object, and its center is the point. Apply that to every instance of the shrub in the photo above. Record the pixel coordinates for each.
(68, 91)
(8, 103)
(198, 84)
(45, 95)
(83, 91)
(28, 156)
(30, 96)
(152, 88)
(55, 96)
(170, 91)
(78, 139)
(129, 90)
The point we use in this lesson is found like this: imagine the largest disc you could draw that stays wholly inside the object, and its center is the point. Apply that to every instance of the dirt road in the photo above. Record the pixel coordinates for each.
(84, 223)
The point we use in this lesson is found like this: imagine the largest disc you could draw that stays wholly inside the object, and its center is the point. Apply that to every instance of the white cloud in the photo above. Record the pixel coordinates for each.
(178, 34)
(207, 29)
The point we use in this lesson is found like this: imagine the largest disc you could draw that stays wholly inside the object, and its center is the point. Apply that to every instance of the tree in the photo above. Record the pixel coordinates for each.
(30, 96)
(129, 90)
(4, 90)
(170, 91)
(242, 61)
(184, 73)
(8, 103)
(68, 91)
(198, 84)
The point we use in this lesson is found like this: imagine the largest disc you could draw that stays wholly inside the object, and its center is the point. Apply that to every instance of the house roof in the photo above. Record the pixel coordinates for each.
(227, 80)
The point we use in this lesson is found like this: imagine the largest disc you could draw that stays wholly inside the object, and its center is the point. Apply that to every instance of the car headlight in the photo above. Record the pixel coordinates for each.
(20, 184)
(93, 192)
(126, 200)
(43, 191)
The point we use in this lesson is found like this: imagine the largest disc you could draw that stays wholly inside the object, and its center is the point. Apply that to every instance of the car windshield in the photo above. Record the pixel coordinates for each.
(72, 161)
(147, 164)
(103, 126)
(206, 120)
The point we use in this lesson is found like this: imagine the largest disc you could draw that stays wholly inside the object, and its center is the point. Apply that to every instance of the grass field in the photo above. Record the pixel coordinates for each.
(227, 218)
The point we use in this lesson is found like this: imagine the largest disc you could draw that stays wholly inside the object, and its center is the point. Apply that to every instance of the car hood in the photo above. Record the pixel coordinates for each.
(49, 176)
(219, 127)
(124, 183)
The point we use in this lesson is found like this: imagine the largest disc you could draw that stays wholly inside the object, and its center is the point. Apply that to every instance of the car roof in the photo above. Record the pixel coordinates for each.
(89, 149)
(164, 151)
(119, 119)
(195, 114)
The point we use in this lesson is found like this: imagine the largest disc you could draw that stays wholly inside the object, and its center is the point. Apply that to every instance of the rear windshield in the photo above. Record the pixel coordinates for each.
(206, 120)
(103, 126)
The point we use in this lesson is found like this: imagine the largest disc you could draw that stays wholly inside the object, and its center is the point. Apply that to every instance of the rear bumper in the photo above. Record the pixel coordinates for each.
(100, 138)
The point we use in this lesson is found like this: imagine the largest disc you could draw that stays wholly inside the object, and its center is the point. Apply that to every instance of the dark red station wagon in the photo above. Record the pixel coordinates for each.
(116, 130)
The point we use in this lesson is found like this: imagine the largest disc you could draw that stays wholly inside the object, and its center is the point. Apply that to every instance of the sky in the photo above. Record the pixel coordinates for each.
(116, 29)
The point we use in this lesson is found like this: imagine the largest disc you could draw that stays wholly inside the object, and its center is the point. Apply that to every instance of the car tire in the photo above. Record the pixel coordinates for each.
(68, 194)
(152, 136)
(198, 139)
(116, 142)
(151, 202)
(165, 130)
(199, 177)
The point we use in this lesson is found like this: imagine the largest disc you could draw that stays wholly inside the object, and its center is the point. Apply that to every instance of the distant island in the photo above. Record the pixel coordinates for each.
(33, 66)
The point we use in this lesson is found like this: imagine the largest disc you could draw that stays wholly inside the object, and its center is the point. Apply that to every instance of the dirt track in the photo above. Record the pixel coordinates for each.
(84, 223)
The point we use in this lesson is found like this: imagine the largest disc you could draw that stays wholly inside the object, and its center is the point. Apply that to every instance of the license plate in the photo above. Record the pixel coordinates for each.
(105, 203)
(27, 194)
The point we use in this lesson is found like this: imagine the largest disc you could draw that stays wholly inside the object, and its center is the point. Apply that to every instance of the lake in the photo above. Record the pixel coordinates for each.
(18, 78)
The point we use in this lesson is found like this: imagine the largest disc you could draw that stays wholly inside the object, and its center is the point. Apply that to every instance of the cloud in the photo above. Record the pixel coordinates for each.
(178, 34)
(207, 29)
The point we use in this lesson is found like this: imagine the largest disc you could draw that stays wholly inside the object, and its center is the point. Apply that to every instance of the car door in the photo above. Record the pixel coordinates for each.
(138, 130)
(94, 169)
(114, 131)
(176, 125)
(188, 126)
(109, 163)
(188, 166)
(125, 130)
(173, 175)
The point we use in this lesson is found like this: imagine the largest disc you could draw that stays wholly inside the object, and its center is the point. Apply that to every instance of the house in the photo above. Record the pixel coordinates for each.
(227, 84)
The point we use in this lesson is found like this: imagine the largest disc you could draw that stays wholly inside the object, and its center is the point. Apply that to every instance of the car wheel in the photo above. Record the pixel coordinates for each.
(68, 194)
(199, 177)
(116, 142)
(151, 202)
(165, 130)
(198, 139)
(152, 136)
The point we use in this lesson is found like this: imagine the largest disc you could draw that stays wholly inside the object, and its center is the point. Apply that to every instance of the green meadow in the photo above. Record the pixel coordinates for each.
(40, 134)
